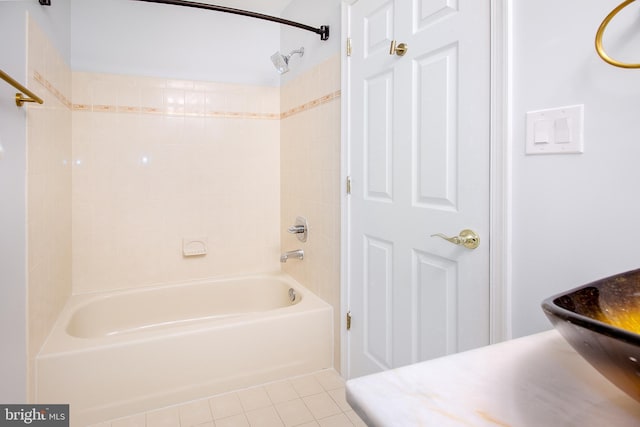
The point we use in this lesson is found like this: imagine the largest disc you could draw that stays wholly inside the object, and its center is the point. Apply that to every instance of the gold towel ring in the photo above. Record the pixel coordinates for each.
(600, 32)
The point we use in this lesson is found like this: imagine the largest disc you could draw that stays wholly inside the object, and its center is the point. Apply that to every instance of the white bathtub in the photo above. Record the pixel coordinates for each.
(116, 354)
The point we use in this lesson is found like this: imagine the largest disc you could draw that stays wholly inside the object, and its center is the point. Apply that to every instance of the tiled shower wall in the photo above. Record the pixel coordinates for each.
(157, 161)
(310, 182)
(48, 189)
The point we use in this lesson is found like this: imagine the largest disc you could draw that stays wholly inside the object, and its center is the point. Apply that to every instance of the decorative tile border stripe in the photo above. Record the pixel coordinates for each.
(104, 108)
(98, 108)
(51, 89)
(160, 111)
(311, 104)
(231, 115)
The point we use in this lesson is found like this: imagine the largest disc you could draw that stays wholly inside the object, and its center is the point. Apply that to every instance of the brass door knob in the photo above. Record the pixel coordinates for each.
(467, 238)
(399, 50)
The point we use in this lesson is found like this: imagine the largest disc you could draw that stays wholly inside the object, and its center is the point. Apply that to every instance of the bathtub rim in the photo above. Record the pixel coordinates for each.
(59, 341)
(201, 286)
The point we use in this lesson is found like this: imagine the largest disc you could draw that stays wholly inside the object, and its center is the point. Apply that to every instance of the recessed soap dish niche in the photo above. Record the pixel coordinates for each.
(194, 246)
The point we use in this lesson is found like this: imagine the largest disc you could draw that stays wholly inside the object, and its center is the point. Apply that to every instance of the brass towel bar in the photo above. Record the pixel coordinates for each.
(20, 98)
(600, 32)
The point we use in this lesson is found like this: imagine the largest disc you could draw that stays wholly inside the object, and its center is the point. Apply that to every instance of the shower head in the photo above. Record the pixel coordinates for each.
(281, 62)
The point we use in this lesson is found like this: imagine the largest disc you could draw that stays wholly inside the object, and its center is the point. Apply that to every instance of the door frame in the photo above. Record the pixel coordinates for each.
(500, 176)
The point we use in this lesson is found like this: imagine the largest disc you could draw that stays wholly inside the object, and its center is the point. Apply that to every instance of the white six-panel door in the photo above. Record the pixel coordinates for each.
(419, 165)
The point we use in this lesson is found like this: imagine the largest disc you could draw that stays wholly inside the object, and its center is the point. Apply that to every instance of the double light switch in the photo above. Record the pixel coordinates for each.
(557, 130)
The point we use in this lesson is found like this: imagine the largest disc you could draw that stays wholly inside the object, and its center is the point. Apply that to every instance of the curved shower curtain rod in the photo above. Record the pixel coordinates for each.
(323, 30)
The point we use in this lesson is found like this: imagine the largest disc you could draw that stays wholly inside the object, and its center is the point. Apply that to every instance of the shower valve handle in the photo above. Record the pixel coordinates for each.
(300, 228)
(296, 229)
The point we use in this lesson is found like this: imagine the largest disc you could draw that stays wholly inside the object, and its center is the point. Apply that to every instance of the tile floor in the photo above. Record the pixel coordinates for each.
(315, 400)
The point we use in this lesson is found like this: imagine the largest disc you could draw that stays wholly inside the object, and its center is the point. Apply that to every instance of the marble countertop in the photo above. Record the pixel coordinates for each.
(538, 380)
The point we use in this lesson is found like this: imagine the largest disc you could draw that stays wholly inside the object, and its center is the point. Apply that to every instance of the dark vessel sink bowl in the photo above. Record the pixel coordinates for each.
(601, 321)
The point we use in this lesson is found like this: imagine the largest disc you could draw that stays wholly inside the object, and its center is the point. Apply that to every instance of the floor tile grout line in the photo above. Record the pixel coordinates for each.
(326, 388)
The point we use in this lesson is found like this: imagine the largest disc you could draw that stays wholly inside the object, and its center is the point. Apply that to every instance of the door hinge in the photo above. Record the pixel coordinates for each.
(348, 46)
(348, 320)
(348, 185)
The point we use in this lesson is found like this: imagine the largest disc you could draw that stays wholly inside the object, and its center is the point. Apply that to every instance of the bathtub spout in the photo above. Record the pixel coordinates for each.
(298, 253)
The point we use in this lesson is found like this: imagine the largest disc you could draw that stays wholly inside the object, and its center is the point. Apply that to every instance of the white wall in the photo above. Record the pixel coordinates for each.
(55, 22)
(575, 217)
(12, 213)
(147, 39)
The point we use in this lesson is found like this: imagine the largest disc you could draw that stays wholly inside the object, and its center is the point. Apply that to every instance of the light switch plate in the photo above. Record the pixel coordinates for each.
(563, 129)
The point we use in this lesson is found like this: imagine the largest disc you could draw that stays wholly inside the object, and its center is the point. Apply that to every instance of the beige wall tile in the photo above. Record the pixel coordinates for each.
(310, 183)
(146, 178)
(48, 190)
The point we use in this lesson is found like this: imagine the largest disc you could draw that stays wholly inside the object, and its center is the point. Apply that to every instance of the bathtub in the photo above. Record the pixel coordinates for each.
(117, 354)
